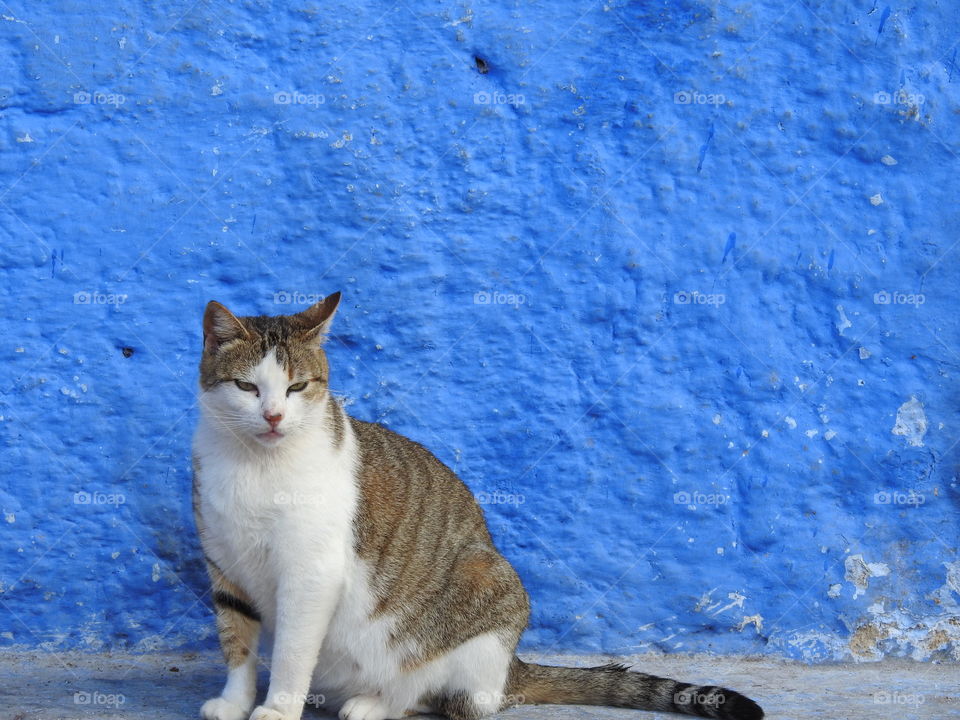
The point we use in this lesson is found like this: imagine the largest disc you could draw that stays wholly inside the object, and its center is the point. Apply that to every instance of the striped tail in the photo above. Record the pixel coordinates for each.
(614, 685)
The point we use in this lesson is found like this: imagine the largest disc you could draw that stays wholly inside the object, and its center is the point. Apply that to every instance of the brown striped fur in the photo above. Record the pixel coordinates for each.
(435, 565)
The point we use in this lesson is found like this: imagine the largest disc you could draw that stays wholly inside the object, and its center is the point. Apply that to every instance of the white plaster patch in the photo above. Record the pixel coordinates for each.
(888, 160)
(155, 575)
(791, 423)
(911, 422)
(705, 600)
(10, 517)
(834, 590)
(717, 419)
(864, 353)
(876, 199)
(755, 620)
(953, 576)
(736, 600)
(843, 323)
(859, 573)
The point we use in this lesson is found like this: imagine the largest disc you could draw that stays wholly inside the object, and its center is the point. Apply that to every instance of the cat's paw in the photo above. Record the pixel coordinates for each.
(220, 709)
(364, 707)
(264, 713)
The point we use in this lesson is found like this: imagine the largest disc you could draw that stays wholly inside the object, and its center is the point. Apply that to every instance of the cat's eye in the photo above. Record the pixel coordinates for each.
(296, 387)
(245, 386)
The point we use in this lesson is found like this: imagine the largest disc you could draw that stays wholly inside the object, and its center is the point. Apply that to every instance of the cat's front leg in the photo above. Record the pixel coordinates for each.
(238, 626)
(305, 606)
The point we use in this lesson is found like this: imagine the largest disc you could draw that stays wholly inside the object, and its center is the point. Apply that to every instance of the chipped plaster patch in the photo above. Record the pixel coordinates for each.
(736, 600)
(859, 573)
(863, 643)
(911, 422)
(843, 322)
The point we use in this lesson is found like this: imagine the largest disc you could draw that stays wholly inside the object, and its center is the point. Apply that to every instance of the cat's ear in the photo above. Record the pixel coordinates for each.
(220, 326)
(317, 318)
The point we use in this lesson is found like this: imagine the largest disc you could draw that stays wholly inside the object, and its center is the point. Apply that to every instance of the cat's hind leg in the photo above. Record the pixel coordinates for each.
(476, 676)
(368, 707)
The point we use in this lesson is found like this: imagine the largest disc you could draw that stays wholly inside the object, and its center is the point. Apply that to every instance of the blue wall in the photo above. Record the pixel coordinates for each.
(672, 286)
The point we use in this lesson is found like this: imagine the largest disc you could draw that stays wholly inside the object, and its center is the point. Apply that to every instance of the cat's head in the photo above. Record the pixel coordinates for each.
(264, 378)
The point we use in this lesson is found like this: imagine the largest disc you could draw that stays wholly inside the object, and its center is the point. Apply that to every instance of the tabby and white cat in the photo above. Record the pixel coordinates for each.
(365, 558)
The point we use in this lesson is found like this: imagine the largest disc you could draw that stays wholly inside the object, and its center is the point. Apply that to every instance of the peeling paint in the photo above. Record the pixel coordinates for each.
(911, 422)
(864, 641)
(859, 573)
(704, 601)
(843, 323)
(736, 601)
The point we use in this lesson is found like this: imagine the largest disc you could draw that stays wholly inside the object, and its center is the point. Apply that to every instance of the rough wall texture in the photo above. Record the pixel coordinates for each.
(671, 285)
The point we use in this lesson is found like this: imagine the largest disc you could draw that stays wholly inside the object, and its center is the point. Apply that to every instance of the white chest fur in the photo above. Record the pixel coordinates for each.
(273, 515)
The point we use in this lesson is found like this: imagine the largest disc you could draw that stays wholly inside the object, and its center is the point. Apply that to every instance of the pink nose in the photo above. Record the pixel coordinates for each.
(274, 420)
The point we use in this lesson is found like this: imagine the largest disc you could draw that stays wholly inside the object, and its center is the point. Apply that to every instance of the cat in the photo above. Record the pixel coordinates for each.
(365, 558)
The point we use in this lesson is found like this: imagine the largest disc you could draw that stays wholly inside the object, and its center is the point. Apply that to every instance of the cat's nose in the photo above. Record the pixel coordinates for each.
(274, 420)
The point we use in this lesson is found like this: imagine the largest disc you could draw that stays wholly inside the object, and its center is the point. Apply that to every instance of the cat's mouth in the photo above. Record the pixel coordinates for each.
(271, 436)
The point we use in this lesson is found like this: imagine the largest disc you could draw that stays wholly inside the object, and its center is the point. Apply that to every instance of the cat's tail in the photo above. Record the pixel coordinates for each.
(616, 686)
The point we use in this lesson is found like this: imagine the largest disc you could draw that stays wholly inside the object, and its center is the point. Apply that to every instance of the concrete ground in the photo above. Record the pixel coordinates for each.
(113, 686)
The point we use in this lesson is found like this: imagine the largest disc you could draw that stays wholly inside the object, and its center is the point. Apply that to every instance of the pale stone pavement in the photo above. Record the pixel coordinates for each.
(111, 686)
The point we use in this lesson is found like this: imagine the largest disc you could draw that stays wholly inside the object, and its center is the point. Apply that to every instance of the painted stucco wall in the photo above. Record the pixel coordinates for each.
(671, 285)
